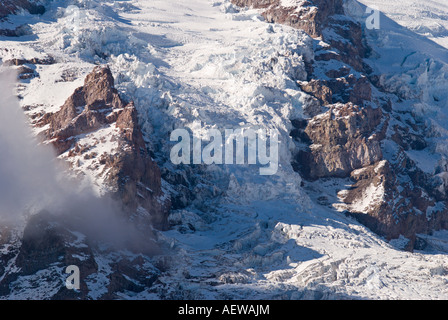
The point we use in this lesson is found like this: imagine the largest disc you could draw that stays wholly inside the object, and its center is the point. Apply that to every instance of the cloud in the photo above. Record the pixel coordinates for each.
(28, 170)
(32, 180)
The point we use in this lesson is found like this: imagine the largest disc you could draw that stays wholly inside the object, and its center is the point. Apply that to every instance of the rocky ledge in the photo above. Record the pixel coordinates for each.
(111, 241)
(352, 131)
(98, 133)
(8, 7)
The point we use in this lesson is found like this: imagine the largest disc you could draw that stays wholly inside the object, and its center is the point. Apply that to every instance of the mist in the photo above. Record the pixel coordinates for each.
(33, 180)
(28, 175)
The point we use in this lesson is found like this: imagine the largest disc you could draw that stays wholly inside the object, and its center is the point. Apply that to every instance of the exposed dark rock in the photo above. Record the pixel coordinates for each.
(131, 172)
(312, 17)
(20, 62)
(50, 243)
(47, 243)
(342, 89)
(408, 140)
(8, 7)
(37, 9)
(312, 106)
(26, 72)
(400, 209)
(320, 19)
(26, 68)
(183, 189)
(342, 72)
(349, 43)
(344, 138)
(19, 31)
(319, 89)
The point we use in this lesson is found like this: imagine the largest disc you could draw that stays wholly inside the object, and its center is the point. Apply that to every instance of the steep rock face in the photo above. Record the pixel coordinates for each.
(8, 7)
(89, 108)
(342, 89)
(345, 39)
(96, 130)
(391, 208)
(320, 19)
(351, 129)
(344, 139)
(49, 245)
(310, 16)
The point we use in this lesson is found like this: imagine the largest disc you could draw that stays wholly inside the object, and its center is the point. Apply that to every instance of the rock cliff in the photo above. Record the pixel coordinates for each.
(352, 130)
(8, 7)
(98, 131)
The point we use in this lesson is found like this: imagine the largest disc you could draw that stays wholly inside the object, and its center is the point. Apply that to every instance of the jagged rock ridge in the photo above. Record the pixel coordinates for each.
(97, 130)
(93, 117)
(8, 7)
(350, 123)
(50, 243)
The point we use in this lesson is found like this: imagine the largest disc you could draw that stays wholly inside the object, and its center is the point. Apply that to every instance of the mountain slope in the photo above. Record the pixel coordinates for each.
(236, 234)
(8, 7)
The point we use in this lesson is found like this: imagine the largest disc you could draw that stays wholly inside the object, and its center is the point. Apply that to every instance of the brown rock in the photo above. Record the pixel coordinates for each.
(390, 208)
(312, 17)
(85, 111)
(8, 7)
(130, 172)
(20, 62)
(49, 245)
(408, 140)
(392, 199)
(343, 139)
(258, 4)
(341, 89)
(318, 89)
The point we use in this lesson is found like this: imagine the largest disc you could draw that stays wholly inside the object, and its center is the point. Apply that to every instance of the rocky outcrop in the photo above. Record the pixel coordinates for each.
(382, 201)
(99, 130)
(351, 131)
(391, 196)
(343, 89)
(19, 31)
(320, 19)
(90, 107)
(346, 43)
(8, 7)
(310, 16)
(344, 138)
(20, 62)
(319, 89)
(110, 241)
(26, 68)
(50, 243)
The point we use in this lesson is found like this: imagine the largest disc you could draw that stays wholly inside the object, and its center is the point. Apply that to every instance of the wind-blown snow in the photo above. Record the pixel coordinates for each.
(245, 236)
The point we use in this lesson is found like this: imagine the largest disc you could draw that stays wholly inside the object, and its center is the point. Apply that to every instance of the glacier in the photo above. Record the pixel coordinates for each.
(243, 236)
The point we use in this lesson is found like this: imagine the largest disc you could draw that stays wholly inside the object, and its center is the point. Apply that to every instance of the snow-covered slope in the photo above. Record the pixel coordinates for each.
(241, 235)
(427, 18)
